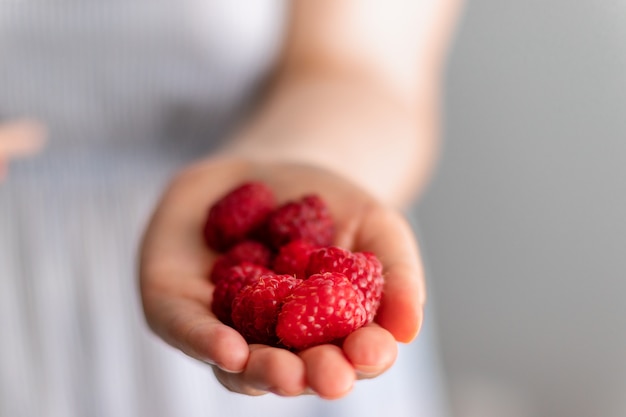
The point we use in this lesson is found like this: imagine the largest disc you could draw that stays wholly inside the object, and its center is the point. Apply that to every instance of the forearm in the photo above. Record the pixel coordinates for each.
(350, 125)
(356, 91)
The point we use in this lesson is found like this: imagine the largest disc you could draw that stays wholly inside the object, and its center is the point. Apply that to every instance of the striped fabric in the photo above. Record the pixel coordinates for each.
(131, 91)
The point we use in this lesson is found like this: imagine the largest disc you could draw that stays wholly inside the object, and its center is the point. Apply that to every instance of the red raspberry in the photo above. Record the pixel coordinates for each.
(293, 258)
(246, 251)
(322, 309)
(307, 219)
(363, 270)
(238, 215)
(256, 307)
(227, 289)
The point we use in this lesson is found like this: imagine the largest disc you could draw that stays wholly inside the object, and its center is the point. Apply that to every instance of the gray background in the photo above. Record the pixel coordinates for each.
(524, 226)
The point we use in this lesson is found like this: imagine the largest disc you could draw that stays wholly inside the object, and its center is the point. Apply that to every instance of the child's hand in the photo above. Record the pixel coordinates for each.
(177, 293)
(18, 138)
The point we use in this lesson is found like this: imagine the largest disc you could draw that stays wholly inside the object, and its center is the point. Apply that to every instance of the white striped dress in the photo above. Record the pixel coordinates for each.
(130, 92)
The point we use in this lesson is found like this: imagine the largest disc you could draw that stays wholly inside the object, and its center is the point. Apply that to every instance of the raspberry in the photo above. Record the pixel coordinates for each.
(293, 258)
(308, 219)
(246, 251)
(256, 307)
(237, 215)
(363, 270)
(322, 309)
(278, 308)
(229, 286)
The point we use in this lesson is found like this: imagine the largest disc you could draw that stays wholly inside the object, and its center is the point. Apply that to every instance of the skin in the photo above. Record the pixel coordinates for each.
(19, 138)
(350, 114)
(177, 294)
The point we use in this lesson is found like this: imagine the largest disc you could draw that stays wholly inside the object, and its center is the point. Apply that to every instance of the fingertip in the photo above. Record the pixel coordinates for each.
(401, 309)
(329, 373)
(231, 351)
(371, 350)
(219, 345)
(276, 370)
(403, 331)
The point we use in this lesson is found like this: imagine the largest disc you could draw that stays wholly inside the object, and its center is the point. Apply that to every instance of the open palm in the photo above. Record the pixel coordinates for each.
(177, 294)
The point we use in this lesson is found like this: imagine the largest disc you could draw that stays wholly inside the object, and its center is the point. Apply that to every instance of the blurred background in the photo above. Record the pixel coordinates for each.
(524, 227)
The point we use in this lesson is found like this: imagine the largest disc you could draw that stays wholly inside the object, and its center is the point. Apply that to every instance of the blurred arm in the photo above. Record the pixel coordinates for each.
(356, 92)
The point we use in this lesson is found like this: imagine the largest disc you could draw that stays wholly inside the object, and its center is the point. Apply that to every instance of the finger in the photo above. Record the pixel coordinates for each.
(371, 350)
(268, 370)
(329, 373)
(177, 296)
(385, 233)
(176, 292)
(21, 138)
(192, 328)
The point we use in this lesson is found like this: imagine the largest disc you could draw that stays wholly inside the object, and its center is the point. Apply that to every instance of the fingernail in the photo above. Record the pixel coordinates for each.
(366, 375)
(230, 371)
(364, 371)
(221, 367)
(279, 391)
(209, 362)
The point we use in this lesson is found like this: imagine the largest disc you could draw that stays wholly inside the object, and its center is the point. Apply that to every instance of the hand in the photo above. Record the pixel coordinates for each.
(177, 293)
(18, 138)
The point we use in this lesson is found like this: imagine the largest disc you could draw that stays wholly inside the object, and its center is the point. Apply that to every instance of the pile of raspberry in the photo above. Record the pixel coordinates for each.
(278, 280)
